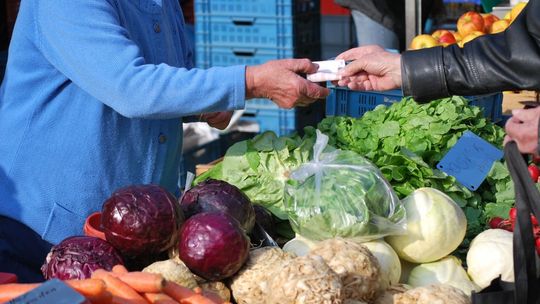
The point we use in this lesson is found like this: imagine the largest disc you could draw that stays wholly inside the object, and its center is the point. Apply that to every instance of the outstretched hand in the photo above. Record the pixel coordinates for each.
(373, 68)
(279, 81)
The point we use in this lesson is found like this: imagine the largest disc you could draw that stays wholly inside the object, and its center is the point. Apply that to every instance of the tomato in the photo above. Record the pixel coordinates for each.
(534, 172)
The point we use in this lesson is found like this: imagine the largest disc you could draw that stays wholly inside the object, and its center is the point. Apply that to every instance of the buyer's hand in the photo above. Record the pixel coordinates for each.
(218, 120)
(373, 68)
(522, 127)
(279, 81)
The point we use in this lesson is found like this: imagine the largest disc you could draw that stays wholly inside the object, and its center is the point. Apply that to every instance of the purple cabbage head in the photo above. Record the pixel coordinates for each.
(217, 195)
(141, 220)
(78, 256)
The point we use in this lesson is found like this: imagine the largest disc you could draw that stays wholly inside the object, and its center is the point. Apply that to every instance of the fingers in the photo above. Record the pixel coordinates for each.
(314, 91)
(355, 67)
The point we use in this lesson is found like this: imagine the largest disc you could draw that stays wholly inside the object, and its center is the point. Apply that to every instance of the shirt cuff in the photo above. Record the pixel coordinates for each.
(239, 96)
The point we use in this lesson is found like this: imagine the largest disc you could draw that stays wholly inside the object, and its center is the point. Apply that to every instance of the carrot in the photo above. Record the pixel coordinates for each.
(119, 289)
(11, 291)
(159, 298)
(90, 288)
(143, 281)
(120, 269)
(184, 295)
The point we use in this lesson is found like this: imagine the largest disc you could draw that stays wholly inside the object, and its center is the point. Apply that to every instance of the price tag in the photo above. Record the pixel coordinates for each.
(52, 291)
(470, 160)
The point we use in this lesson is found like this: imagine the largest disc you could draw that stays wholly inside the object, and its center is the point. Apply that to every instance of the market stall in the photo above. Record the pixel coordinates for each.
(383, 201)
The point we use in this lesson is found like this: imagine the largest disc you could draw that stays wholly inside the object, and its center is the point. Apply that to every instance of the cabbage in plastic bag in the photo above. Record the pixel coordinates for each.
(341, 194)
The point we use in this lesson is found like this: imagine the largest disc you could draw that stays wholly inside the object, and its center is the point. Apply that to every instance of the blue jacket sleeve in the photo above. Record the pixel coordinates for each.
(83, 39)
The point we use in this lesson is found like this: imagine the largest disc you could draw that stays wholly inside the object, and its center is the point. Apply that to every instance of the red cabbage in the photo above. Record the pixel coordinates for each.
(78, 256)
(217, 195)
(213, 245)
(141, 220)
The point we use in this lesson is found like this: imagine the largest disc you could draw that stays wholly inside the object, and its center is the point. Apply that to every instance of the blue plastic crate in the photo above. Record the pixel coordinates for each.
(345, 102)
(255, 8)
(209, 55)
(280, 121)
(272, 32)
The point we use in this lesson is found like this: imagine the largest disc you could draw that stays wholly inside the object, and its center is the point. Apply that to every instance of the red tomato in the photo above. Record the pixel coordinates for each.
(534, 172)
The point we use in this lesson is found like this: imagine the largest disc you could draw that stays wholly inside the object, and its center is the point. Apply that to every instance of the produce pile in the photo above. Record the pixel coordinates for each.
(358, 211)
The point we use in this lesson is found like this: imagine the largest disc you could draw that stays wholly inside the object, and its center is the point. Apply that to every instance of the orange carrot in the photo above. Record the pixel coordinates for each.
(159, 298)
(119, 289)
(11, 291)
(90, 288)
(184, 295)
(119, 268)
(105, 298)
(143, 281)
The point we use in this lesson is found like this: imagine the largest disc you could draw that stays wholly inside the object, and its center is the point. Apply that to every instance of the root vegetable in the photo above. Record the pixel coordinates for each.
(251, 284)
(217, 288)
(440, 294)
(174, 271)
(305, 280)
(356, 266)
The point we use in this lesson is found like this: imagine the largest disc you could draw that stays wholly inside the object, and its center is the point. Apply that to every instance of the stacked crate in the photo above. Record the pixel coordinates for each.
(239, 32)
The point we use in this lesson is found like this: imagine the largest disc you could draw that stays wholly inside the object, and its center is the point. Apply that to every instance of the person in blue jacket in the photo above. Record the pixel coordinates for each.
(92, 100)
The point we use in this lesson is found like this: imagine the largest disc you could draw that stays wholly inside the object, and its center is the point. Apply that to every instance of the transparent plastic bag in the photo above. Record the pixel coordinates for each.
(342, 194)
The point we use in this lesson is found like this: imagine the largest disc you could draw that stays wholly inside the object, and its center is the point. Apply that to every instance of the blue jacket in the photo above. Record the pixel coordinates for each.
(92, 101)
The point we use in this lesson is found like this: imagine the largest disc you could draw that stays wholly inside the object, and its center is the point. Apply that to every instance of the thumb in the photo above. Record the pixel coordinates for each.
(302, 66)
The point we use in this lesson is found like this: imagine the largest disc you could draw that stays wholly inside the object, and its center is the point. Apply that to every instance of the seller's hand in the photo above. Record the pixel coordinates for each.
(218, 120)
(279, 81)
(522, 127)
(373, 68)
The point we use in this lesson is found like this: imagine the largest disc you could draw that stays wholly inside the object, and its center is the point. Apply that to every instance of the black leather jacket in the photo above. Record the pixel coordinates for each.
(505, 61)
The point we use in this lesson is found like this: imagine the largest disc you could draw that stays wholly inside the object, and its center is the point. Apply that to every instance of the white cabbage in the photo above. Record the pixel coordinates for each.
(436, 226)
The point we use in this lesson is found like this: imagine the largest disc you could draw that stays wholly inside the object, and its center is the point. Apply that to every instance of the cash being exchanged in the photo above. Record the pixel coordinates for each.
(328, 70)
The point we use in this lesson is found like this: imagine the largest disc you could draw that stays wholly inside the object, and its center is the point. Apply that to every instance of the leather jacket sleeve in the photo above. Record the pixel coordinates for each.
(504, 61)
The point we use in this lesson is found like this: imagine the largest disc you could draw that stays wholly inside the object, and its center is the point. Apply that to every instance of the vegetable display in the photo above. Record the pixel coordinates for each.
(341, 194)
(78, 257)
(406, 141)
(435, 227)
(141, 220)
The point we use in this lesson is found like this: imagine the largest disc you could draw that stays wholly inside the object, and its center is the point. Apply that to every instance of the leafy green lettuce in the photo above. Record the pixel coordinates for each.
(261, 166)
(407, 140)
